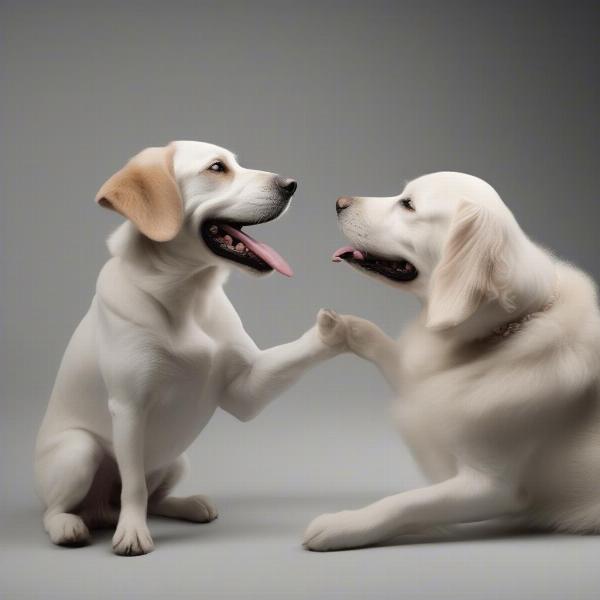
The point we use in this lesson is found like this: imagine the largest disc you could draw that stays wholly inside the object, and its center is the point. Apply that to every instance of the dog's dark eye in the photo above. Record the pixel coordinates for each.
(407, 203)
(218, 167)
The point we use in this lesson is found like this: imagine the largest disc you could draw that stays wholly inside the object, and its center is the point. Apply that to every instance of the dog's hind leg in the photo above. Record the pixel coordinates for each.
(100, 508)
(197, 508)
(65, 469)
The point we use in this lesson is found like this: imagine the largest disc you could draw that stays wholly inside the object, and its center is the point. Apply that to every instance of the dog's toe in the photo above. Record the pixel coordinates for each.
(132, 539)
(331, 327)
(66, 529)
(339, 531)
(199, 509)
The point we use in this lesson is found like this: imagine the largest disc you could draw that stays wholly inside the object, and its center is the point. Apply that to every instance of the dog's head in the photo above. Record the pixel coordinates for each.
(446, 237)
(197, 196)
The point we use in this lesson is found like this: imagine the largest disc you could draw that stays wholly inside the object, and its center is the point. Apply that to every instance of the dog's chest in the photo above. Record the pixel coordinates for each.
(185, 399)
(425, 411)
(188, 367)
(192, 348)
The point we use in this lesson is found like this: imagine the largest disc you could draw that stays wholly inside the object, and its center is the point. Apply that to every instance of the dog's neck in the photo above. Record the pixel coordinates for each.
(508, 329)
(164, 270)
(532, 288)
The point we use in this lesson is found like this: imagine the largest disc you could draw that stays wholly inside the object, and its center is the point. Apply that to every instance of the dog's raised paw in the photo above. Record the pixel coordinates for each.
(360, 334)
(132, 539)
(331, 327)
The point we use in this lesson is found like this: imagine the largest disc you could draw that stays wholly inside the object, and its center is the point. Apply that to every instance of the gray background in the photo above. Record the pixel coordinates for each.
(348, 97)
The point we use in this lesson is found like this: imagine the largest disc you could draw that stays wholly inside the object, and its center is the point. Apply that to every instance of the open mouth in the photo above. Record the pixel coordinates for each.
(226, 239)
(394, 269)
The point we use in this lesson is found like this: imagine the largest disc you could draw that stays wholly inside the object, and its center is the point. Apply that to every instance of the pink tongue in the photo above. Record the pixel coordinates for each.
(270, 256)
(356, 254)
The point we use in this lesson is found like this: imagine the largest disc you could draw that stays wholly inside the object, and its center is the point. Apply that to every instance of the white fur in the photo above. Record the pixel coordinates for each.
(502, 427)
(160, 348)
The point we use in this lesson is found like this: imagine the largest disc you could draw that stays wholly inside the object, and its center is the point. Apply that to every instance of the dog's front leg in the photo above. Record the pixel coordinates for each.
(466, 498)
(132, 536)
(268, 372)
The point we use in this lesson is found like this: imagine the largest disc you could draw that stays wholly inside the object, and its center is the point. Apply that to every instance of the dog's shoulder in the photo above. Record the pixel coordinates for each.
(117, 294)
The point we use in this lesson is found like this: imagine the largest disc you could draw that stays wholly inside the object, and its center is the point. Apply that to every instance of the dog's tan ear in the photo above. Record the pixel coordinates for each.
(145, 191)
(472, 267)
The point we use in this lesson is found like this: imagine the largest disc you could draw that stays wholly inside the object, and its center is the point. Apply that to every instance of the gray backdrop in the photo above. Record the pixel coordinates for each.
(347, 97)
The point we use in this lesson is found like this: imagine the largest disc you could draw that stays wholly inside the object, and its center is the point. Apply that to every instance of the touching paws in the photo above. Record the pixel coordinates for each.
(331, 327)
(342, 530)
(361, 334)
(349, 333)
(132, 538)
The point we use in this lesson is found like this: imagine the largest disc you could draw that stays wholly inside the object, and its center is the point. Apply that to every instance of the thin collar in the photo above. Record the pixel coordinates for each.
(507, 329)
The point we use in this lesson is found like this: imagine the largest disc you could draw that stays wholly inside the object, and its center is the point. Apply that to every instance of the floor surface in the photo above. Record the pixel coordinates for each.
(253, 551)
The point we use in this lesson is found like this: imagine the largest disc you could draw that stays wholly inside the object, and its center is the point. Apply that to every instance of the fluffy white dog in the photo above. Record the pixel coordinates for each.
(497, 378)
(161, 346)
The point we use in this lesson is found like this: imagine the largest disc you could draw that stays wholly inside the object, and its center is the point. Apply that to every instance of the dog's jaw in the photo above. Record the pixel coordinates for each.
(397, 270)
(228, 241)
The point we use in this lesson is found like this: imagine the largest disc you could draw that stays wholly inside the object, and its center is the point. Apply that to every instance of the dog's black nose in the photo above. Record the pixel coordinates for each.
(342, 203)
(287, 185)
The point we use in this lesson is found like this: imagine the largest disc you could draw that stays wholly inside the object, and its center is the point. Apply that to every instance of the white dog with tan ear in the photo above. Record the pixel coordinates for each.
(161, 346)
(498, 379)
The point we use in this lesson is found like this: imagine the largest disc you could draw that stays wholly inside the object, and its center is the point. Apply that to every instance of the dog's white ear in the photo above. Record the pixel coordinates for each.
(145, 191)
(471, 269)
